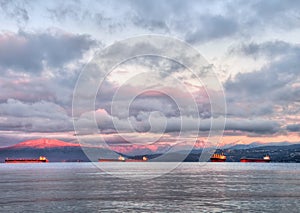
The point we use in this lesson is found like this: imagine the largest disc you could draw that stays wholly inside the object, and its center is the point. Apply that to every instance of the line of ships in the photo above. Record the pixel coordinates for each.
(222, 158)
(214, 158)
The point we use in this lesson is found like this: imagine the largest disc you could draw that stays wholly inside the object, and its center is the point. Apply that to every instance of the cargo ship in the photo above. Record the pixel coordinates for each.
(122, 159)
(41, 159)
(218, 158)
(265, 159)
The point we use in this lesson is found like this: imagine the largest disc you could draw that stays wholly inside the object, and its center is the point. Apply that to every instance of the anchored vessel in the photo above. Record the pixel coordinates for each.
(122, 159)
(218, 158)
(265, 159)
(41, 159)
(137, 160)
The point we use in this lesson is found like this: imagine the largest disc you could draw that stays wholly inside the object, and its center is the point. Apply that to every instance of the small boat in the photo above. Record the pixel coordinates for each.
(41, 159)
(218, 158)
(265, 159)
(122, 159)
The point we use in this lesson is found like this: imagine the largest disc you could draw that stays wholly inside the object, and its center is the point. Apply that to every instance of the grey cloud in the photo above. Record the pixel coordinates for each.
(175, 124)
(256, 126)
(39, 109)
(57, 89)
(35, 124)
(64, 10)
(52, 58)
(192, 20)
(272, 90)
(8, 140)
(152, 15)
(99, 14)
(150, 24)
(212, 27)
(283, 14)
(147, 104)
(176, 102)
(244, 109)
(77, 11)
(293, 127)
(259, 126)
(30, 51)
(26, 90)
(268, 81)
(188, 19)
(270, 49)
(258, 16)
(40, 117)
(196, 21)
(267, 8)
(16, 10)
(272, 80)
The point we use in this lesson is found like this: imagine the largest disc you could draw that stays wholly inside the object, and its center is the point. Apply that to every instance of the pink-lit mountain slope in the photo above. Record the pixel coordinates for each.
(44, 143)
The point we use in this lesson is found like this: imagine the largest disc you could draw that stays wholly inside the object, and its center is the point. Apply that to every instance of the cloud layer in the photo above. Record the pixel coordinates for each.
(30, 52)
(44, 46)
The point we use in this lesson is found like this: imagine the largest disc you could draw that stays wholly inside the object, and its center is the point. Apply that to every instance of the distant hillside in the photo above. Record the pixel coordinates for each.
(52, 154)
(54, 150)
(289, 153)
(58, 151)
(286, 154)
(255, 144)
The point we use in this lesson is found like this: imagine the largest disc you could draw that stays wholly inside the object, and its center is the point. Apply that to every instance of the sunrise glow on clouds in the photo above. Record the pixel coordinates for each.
(254, 48)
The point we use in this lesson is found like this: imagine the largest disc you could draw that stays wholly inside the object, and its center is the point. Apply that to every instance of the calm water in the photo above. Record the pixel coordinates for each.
(192, 187)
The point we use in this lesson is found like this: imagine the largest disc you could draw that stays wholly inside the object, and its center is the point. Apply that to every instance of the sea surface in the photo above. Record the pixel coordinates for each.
(191, 187)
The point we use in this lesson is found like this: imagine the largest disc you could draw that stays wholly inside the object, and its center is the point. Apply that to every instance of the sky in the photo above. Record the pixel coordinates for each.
(252, 45)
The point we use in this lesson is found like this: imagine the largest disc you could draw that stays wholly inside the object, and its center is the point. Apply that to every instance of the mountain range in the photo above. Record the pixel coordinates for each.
(58, 151)
(54, 150)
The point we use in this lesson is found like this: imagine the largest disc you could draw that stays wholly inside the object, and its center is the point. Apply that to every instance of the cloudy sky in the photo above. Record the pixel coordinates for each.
(253, 46)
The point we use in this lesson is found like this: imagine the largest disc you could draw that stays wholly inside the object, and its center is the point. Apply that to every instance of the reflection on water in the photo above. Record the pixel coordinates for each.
(192, 187)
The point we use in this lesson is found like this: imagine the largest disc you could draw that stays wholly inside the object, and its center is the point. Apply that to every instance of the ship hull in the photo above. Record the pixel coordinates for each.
(110, 160)
(217, 160)
(26, 161)
(134, 160)
(253, 160)
(117, 160)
